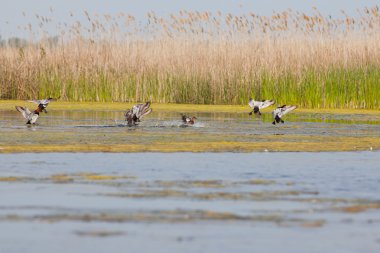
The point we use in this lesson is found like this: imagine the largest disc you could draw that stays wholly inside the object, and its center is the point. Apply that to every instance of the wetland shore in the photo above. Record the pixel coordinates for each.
(100, 127)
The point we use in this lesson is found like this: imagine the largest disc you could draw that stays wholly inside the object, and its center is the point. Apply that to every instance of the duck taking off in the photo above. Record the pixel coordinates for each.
(258, 105)
(30, 116)
(43, 102)
(132, 116)
(188, 120)
(280, 111)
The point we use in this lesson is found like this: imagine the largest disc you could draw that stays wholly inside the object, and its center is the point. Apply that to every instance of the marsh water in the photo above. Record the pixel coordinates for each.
(67, 130)
(189, 202)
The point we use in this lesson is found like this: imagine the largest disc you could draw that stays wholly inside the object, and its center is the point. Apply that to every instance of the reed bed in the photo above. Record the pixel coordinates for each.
(202, 58)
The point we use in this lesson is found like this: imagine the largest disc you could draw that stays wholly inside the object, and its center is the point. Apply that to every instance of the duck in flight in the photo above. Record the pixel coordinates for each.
(43, 102)
(188, 120)
(258, 105)
(132, 116)
(30, 116)
(280, 111)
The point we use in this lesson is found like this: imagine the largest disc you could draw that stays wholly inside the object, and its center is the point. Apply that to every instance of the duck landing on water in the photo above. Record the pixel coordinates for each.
(258, 105)
(43, 102)
(280, 111)
(30, 116)
(188, 120)
(132, 116)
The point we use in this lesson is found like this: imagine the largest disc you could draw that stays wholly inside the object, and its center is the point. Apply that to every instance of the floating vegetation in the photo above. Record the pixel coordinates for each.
(313, 224)
(171, 216)
(193, 183)
(11, 179)
(61, 178)
(67, 178)
(360, 208)
(149, 194)
(283, 143)
(99, 233)
(98, 177)
(261, 182)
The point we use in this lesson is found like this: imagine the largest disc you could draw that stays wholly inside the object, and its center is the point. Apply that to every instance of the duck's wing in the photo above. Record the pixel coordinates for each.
(24, 111)
(252, 103)
(142, 110)
(286, 109)
(136, 109)
(44, 102)
(184, 118)
(145, 112)
(266, 103)
(36, 101)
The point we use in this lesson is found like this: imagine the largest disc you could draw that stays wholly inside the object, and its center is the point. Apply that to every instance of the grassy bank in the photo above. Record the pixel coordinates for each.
(167, 107)
(203, 58)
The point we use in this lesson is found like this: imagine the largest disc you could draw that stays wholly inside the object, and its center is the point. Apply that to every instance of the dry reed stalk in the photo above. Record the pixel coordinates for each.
(196, 57)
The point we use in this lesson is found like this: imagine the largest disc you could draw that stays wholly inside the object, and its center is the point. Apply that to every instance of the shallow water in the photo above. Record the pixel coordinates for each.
(187, 202)
(66, 130)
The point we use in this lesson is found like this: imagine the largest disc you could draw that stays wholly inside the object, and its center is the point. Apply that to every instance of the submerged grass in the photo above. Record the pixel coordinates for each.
(313, 144)
(360, 208)
(10, 179)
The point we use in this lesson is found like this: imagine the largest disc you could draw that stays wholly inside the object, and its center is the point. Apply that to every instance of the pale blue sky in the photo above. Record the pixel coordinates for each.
(11, 11)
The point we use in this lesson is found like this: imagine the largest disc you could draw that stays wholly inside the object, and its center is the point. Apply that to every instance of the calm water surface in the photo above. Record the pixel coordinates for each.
(185, 202)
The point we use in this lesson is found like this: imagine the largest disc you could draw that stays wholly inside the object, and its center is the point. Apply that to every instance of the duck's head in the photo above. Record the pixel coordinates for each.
(43, 107)
(128, 113)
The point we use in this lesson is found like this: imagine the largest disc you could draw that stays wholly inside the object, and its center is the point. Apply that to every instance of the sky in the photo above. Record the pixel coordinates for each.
(11, 12)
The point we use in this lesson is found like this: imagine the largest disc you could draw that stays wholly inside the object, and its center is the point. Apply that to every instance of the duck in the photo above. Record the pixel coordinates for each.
(30, 116)
(43, 102)
(132, 116)
(280, 111)
(258, 105)
(188, 120)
